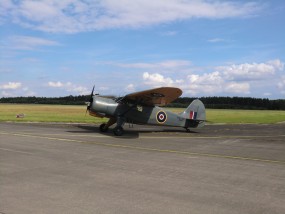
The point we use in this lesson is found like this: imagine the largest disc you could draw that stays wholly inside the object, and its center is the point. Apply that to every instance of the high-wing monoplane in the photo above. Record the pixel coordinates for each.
(144, 107)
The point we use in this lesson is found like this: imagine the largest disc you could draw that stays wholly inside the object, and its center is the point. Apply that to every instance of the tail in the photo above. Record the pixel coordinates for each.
(195, 114)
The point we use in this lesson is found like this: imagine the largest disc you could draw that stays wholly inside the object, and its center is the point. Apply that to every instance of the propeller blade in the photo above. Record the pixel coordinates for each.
(90, 100)
(92, 91)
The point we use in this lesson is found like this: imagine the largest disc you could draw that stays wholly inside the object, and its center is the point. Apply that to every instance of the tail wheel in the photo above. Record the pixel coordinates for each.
(103, 127)
(118, 131)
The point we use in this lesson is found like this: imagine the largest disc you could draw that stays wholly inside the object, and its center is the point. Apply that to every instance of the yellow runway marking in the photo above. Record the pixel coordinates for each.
(147, 149)
(17, 151)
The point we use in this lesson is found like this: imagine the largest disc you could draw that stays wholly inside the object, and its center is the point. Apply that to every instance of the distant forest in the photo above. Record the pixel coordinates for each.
(183, 102)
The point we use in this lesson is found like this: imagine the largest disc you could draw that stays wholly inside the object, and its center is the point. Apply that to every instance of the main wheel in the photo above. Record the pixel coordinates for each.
(188, 130)
(118, 131)
(102, 127)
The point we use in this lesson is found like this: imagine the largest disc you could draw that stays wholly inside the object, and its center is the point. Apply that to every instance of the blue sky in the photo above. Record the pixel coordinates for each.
(205, 47)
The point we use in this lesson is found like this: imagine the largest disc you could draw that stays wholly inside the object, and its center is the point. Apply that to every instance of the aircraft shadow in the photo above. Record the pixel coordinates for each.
(131, 133)
(95, 129)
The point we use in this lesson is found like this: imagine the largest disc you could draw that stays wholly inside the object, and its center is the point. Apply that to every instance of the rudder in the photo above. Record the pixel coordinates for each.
(195, 112)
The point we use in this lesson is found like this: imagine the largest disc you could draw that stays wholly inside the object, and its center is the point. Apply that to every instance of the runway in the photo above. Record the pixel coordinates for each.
(73, 168)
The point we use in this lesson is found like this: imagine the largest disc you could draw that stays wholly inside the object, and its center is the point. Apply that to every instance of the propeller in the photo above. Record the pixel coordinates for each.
(90, 100)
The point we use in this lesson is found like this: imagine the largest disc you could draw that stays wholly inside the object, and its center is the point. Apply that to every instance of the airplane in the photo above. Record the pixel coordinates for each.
(144, 107)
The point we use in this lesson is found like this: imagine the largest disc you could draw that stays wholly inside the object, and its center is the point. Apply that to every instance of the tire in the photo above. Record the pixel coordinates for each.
(118, 131)
(102, 127)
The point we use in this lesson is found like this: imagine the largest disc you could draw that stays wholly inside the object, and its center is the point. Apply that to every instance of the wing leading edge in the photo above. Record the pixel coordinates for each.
(158, 96)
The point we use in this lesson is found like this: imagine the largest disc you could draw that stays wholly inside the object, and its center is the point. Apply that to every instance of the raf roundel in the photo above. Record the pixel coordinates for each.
(161, 117)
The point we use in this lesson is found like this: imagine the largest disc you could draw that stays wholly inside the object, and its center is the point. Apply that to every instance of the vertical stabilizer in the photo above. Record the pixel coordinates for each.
(195, 112)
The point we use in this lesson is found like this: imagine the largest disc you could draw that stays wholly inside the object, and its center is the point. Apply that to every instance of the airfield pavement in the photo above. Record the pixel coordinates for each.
(73, 168)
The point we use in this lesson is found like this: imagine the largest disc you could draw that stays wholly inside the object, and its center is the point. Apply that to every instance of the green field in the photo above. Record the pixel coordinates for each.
(76, 114)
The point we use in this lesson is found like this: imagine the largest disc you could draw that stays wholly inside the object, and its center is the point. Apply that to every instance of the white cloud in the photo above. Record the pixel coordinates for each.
(237, 87)
(252, 71)
(267, 94)
(55, 84)
(29, 42)
(5, 9)
(167, 64)
(130, 88)
(28, 92)
(104, 88)
(12, 89)
(211, 78)
(234, 79)
(11, 85)
(281, 85)
(6, 94)
(169, 33)
(78, 89)
(69, 87)
(71, 16)
(211, 83)
(156, 79)
(216, 40)
(208, 83)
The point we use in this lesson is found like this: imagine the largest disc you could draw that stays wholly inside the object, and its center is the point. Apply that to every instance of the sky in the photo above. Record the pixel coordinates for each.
(51, 48)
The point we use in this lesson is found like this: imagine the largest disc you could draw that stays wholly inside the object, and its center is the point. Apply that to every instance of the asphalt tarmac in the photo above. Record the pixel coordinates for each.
(69, 168)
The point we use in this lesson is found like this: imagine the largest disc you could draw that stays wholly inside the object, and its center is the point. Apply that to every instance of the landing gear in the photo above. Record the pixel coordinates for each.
(103, 127)
(118, 131)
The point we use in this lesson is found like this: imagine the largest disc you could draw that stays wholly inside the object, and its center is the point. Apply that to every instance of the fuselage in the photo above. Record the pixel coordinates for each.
(137, 114)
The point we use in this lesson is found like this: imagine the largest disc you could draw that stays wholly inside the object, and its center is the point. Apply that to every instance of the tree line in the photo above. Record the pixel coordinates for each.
(68, 100)
(233, 103)
(183, 102)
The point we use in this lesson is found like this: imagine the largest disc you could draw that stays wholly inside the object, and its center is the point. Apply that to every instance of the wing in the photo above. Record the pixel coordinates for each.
(158, 96)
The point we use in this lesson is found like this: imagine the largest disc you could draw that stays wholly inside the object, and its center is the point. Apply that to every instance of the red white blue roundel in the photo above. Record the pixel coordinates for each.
(161, 117)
